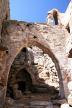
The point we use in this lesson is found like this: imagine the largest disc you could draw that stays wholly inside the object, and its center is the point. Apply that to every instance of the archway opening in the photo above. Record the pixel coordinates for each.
(19, 83)
(24, 81)
(22, 86)
(55, 18)
(33, 72)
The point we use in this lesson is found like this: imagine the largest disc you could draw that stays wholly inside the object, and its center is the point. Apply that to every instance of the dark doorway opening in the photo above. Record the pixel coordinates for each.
(22, 86)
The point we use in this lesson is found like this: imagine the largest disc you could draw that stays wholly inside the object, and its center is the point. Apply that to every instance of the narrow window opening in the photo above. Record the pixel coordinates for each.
(68, 29)
(55, 18)
(70, 54)
(35, 37)
(53, 21)
(7, 52)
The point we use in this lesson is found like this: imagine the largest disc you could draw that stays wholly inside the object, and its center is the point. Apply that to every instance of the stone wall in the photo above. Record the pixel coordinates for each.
(52, 40)
(4, 15)
(4, 12)
(51, 60)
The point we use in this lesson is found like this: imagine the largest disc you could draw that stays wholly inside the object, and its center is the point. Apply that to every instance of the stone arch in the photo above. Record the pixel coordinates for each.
(24, 67)
(24, 75)
(53, 17)
(47, 50)
(21, 83)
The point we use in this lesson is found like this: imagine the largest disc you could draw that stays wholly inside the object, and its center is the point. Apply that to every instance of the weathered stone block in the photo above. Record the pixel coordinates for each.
(70, 87)
(70, 100)
(65, 106)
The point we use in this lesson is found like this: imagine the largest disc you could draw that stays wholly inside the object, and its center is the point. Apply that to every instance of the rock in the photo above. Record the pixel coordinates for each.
(41, 103)
(10, 101)
(70, 100)
(18, 94)
(65, 106)
(70, 87)
(56, 106)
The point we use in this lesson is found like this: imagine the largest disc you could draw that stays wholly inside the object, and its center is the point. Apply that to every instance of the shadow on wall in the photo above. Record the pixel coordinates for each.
(70, 54)
(24, 77)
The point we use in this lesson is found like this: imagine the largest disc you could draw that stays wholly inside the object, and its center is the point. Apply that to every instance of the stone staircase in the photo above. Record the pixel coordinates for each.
(34, 101)
(36, 104)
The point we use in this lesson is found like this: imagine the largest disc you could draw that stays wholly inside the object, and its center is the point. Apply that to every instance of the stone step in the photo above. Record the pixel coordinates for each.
(36, 104)
(17, 106)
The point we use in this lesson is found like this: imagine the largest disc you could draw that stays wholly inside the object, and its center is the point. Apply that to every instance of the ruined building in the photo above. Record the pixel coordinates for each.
(35, 61)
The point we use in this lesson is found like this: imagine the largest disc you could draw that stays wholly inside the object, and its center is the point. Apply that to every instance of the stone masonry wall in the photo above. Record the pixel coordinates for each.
(4, 15)
(4, 12)
(52, 40)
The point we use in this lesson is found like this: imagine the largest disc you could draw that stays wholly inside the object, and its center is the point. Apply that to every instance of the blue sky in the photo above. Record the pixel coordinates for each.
(35, 10)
